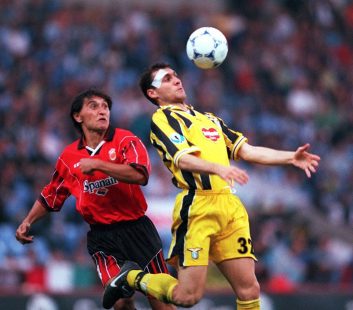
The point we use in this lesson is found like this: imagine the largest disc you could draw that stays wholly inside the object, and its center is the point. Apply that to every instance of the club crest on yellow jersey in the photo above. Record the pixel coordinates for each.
(194, 252)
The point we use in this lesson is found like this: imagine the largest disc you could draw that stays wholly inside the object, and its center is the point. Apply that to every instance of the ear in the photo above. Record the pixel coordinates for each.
(151, 92)
(77, 117)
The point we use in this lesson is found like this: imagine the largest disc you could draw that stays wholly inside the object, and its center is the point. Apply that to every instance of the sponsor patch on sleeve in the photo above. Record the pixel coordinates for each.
(177, 138)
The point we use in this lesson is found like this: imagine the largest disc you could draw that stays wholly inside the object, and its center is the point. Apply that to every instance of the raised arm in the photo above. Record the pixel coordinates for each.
(300, 158)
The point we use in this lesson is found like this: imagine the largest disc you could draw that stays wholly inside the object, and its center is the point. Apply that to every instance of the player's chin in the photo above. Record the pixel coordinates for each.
(181, 95)
(102, 126)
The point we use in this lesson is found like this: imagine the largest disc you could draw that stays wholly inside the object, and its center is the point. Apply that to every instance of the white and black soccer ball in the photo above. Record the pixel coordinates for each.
(207, 47)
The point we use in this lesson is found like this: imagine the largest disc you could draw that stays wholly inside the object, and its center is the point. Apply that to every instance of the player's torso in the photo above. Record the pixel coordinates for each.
(207, 136)
(200, 131)
(98, 195)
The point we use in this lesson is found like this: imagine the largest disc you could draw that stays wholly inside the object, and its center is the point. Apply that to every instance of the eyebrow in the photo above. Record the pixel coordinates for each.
(169, 74)
(94, 100)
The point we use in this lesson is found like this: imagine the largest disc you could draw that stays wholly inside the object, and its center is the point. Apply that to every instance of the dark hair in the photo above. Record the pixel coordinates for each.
(146, 79)
(77, 103)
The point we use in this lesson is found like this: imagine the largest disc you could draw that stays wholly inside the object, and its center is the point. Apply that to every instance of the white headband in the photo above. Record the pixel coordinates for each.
(157, 81)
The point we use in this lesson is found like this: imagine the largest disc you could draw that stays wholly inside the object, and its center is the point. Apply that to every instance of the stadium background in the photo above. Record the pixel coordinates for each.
(287, 80)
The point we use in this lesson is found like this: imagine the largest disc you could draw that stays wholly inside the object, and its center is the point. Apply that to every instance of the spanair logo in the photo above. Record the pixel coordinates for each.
(112, 154)
(210, 133)
(195, 252)
(176, 138)
(99, 187)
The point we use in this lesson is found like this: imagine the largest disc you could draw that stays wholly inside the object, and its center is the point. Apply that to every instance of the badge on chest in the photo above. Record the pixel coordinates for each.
(211, 134)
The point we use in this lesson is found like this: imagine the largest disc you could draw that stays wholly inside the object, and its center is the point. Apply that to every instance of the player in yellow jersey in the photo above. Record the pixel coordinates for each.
(209, 221)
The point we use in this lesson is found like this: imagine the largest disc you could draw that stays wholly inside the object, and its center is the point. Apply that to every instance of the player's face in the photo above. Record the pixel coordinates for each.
(169, 88)
(94, 115)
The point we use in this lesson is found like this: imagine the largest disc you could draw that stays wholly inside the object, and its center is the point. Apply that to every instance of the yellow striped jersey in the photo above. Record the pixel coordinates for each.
(175, 132)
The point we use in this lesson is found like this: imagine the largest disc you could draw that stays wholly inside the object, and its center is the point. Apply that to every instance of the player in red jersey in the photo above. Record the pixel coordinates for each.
(103, 170)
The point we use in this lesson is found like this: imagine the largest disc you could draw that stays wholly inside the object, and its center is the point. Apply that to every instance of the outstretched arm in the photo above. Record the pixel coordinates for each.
(36, 213)
(300, 158)
(227, 173)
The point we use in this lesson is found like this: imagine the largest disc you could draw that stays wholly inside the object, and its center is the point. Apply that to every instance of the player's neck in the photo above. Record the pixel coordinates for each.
(93, 138)
(184, 107)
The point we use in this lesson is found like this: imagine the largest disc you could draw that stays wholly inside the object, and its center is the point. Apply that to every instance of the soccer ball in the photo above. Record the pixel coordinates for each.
(207, 47)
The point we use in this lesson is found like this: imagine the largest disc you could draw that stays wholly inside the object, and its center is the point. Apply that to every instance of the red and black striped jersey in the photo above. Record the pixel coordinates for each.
(100, 198)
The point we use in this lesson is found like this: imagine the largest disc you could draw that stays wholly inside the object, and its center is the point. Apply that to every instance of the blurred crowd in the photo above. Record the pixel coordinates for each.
(287, 80)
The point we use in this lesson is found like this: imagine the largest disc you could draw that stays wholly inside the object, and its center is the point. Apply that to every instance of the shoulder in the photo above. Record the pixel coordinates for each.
(124, 136)
(160, 111)
(68, 155)
(74, 146)
(213, 117)
(210, 115)
(121, 132)
(160, 114)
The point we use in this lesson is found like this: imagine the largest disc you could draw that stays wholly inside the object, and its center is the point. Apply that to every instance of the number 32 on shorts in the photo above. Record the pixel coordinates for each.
(245, 246)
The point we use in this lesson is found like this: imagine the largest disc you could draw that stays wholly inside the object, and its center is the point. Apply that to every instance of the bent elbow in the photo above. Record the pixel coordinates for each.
(143, 180)
(143, 183)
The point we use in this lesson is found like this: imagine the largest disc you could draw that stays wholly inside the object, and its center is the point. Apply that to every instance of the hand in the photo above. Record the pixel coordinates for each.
(306, 161)
(87, 165)
(22, 233)
(232, 173)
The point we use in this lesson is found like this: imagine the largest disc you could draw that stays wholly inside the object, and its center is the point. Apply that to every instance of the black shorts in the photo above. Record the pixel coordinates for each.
(111, 245)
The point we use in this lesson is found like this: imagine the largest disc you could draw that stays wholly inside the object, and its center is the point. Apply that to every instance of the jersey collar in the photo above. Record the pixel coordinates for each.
(108, 137)
(175, 107)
